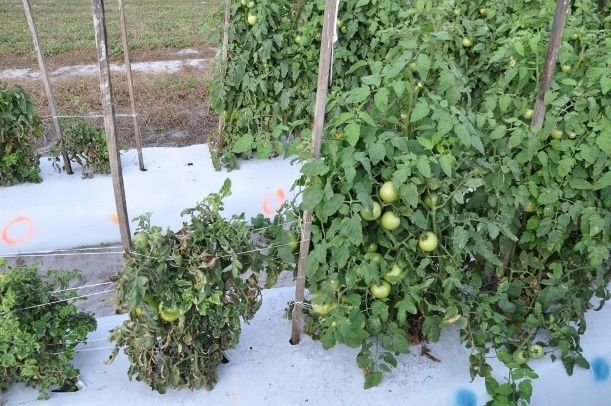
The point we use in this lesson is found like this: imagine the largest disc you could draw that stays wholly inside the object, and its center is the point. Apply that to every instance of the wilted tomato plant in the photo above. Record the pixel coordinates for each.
(186, 293)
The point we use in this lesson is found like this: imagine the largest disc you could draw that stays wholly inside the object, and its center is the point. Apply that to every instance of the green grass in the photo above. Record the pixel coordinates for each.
(66, 25)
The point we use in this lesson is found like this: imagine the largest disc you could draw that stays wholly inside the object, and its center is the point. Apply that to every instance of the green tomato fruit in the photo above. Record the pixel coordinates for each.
(252, 19)
(374, 325)
(293, 241)
(431, 200)
(566, 68)
(572, 135)
(251, 4)
(575, 36)
(528, 114)
(530, 207)
(456, 12)
(556, 134)
(340, 23)
(394, 274)
(343, 29)
(243, 2)
(380, 291)
(371, 215)
(428, 242)
(520, 357)
(390, 221)
(169, 315)
(373, 247)
(297, 40)
(322, 309)
(388, 192)
(413, 66)
(373, 256)
(141, 241)
(483, 12)
(535, 351)
(466, 42)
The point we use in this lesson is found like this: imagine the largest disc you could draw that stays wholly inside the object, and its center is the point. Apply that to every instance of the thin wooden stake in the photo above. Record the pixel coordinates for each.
(110, 125)
(130, 84)
(562, 8)
(44, 74)
(224, 54)
(324, 67)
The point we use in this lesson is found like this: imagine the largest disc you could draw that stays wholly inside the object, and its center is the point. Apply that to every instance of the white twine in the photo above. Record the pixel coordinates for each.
(60, 301)
(234, 254)
(83, 287)
(70, 251)
(67, 254)
(93, 116)
(26, 253)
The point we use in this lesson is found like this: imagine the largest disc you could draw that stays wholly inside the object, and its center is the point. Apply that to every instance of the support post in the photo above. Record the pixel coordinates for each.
(130, 84)
(109, 121)
(44, 74)
(562, 8)
(324, 66)
(224, 53)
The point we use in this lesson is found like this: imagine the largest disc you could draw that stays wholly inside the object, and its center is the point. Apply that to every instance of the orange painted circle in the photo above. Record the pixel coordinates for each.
(279, 198)
(26, 235)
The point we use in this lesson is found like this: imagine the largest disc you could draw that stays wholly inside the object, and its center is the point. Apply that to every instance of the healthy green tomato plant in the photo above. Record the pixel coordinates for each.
(272, 69)
(19, 124)
(39, 328)
(518, 239)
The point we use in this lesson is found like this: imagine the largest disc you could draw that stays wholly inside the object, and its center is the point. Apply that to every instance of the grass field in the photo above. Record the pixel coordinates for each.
(66, 28)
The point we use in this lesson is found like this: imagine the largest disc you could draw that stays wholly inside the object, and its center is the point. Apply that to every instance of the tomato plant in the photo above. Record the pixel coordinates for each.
(19, 124)
(271, 72)
(85, 144)
(37, 339)
(186, 293)
(516, 240)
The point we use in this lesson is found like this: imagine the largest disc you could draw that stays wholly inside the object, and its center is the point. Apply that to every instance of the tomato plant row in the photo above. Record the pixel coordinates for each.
(477, 219)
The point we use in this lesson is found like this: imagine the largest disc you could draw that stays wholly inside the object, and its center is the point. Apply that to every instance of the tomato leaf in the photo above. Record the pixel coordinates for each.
(421, 110)
(353, 132)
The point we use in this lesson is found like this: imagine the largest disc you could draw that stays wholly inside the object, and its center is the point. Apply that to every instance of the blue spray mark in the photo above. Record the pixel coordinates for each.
(465, 397)
(600, 369)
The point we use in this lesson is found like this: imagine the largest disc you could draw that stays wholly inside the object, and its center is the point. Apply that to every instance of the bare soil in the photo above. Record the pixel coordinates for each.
(172, 108)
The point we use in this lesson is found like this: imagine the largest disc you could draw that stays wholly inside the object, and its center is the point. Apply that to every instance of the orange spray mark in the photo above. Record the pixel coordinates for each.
(273, 201)
(11, 240)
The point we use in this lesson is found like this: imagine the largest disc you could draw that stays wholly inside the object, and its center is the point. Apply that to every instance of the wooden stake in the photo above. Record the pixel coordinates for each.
(110, 125)
(130, 84)
(224, 53)
(324, 66)
(44, 74)
(562, 8)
